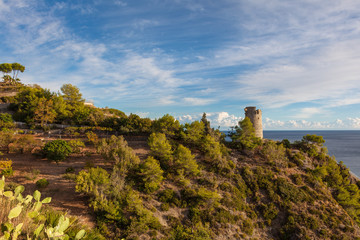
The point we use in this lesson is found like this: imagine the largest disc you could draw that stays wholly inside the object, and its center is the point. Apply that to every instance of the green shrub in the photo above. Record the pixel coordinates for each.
(92, 138)
(313, 139)
(289, 192)
(69, 170)
(167, 125)
(116, 149)
(286, 143)
(244, 136)
(6, 120)
(57, 150)
(169, 196)
(196, 232)
(151, 174)
(93, 181)
(25, 143)
(6, 167)
(76, 145)
(184, 160)
(247, 227)
(164, 207)
(7, 172)
(275, 153)
(42, 183)
(269, 211)
(193, 132)
(160, 148)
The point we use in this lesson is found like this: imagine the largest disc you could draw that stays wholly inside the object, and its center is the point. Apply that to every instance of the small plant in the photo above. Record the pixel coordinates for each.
(92, 138)
(165, 207)
(33, 174)
(70, 170)
(25, 143)
(57, 150)
(42, 183)
(76, 145)
(6, 167)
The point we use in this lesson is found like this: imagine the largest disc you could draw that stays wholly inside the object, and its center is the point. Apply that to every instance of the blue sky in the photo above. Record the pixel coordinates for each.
(299, 61)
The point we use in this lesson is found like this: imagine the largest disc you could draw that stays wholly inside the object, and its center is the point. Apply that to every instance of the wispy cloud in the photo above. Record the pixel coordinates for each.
(197, 101)
(347, 123)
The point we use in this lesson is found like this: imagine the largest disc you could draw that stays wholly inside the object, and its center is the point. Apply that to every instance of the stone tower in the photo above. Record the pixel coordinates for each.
(256, 119)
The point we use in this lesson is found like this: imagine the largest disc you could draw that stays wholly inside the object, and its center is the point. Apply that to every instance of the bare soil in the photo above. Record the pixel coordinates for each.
(29, 168)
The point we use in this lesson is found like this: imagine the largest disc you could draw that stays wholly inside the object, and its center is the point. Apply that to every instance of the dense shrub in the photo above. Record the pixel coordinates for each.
(6, 138)
(42, 183)
(161, 149)
(6, 120)
(94, 181)
(116, 149)
(6, 167)
(169, 196)
(244, 136)
(76, 145)
(25, 143)
(92, 138)
(193, 133)
(197, 232)
(167, 125)
(151, 175)
(275, 153)
(57, 150)
(184, 160)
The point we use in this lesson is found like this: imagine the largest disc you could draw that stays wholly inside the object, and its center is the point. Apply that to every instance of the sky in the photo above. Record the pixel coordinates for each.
(298, 61)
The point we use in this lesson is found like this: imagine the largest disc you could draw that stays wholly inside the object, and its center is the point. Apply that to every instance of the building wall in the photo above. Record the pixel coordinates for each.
(256, 119)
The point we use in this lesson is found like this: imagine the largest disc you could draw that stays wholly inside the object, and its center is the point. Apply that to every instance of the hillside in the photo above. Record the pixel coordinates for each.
(134, 178)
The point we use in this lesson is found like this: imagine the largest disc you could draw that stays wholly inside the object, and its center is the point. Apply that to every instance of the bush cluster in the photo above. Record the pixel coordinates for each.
(57, 150)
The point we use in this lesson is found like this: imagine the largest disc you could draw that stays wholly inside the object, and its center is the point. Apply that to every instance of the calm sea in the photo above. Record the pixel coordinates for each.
(344, 145)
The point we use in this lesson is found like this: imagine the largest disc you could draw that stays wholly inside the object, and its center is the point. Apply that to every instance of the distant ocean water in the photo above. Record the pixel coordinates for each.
(343, 144)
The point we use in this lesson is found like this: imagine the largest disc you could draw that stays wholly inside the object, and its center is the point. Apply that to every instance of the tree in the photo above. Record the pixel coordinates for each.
(244, 136)
(71, 94)
(16, 68)
(5, 68)
(151, 174)
(193, 132)
(166, 124)
(44, 112)
(161, 149)
(206, 124)
(184, 160)
(26, 102)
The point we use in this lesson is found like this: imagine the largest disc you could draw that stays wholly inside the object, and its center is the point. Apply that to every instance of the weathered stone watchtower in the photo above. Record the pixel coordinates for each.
(256, 119)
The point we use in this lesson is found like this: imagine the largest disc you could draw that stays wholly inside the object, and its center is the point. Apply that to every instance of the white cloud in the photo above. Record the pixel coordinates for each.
(222, 119)
(120, 3)
(141, 24)
(308, 112)
(348, 123)
(197, 101)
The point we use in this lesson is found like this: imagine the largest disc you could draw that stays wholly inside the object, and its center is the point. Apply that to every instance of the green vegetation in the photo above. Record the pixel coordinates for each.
(42, 183)
(244, 136)
(6, 167)
(25, 218)
(187, 183)
(57, 150)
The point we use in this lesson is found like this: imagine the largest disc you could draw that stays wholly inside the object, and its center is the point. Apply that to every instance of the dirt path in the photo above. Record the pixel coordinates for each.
(29, 168)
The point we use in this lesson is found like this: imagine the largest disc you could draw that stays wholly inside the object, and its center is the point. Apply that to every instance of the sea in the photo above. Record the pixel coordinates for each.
(344, 145)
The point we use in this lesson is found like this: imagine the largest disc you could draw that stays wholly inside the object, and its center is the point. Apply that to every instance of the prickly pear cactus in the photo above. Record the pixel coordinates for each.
(32, 205)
